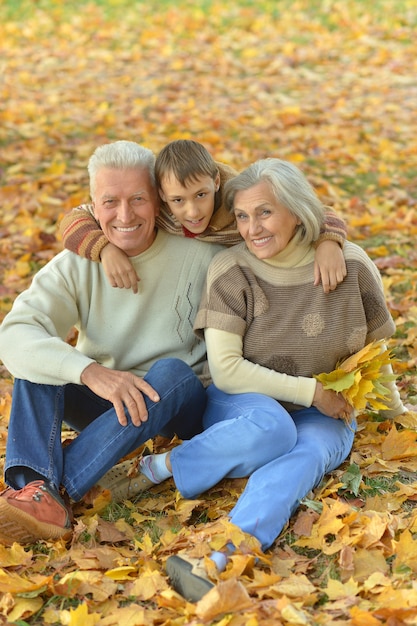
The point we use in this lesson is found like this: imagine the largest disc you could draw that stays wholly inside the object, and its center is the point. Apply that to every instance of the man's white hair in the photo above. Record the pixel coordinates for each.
(120, 155)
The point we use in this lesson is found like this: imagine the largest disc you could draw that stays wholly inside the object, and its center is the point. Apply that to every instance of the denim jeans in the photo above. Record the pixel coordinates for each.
(285, 456)
(38, 411)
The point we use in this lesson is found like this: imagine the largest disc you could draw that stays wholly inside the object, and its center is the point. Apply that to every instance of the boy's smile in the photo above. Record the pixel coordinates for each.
(192, 205)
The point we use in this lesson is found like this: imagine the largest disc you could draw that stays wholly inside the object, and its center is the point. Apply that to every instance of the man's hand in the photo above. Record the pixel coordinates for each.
(118, 268)
(329, 265)
(123, 389)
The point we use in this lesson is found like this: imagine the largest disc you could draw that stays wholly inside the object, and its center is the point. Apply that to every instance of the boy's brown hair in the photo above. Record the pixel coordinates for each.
(187, 160)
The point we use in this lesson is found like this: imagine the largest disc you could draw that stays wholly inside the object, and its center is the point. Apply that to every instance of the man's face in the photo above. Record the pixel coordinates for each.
(125, 205)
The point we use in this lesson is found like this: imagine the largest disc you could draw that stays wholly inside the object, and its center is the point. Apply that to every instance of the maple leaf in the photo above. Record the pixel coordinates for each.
(352, 478)
(360, 378)
(81, 617)
(225, 597)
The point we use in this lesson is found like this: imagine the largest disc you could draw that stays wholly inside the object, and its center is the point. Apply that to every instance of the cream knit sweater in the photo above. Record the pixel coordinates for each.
(117, 328)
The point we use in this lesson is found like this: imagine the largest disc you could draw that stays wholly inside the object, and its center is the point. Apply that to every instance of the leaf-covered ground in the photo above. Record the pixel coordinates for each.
(329, 85)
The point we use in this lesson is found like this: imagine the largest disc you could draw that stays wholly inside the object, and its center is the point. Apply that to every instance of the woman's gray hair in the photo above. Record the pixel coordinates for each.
(120, 155)
(289, 186)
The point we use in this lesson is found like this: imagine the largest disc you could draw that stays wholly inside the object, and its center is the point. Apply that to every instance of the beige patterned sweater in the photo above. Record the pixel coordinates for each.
(287, 329)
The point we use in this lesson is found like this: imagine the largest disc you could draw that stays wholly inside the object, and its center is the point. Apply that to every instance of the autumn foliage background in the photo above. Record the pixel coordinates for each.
(329, 85)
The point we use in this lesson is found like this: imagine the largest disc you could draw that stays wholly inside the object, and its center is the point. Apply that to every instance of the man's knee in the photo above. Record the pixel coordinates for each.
(171, 367)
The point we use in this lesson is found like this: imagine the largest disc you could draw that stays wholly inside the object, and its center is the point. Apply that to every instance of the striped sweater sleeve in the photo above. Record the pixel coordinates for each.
(334, 229)
(81, 233)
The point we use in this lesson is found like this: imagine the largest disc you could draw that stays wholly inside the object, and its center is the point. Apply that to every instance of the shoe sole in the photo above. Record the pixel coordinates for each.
(18, 526)
(122, 486)
(187, 584)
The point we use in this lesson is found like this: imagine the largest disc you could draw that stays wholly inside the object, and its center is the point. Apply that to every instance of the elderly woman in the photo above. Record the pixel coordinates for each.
(268, 331)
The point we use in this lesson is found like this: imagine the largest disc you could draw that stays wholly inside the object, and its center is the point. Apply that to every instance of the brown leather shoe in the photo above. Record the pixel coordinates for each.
(32, 513)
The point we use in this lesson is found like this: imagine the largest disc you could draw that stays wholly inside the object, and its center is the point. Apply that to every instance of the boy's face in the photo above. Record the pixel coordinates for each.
(192, 205)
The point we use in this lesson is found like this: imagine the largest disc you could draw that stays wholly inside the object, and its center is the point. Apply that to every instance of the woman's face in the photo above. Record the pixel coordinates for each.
(266, 225)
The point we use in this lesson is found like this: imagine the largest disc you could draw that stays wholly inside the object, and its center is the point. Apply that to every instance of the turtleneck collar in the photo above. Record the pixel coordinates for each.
(294, 254)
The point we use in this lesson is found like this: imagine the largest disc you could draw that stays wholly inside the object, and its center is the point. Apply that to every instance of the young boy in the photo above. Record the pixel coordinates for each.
(190, 184)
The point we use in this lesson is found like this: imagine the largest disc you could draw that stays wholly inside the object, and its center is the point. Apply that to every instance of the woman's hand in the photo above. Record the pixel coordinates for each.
(329, 265)
(331, 403)
(118, 268)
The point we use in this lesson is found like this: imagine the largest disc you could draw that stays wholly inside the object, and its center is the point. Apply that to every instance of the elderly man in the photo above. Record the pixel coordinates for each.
(135, 371)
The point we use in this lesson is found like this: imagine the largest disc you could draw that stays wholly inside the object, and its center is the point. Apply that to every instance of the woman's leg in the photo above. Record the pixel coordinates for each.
(274, 491)
(242, 432)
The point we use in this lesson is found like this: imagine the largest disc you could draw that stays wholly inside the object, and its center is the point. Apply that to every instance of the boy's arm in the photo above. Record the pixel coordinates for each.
(329, 262)
(81, 233)
(333, 229)
(118, 268)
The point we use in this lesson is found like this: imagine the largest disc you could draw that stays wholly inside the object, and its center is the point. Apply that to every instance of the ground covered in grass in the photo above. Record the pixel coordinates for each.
(328, 85)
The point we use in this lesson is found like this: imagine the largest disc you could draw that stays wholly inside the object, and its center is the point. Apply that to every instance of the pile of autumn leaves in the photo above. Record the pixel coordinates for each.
(361, 379)
(348, 555)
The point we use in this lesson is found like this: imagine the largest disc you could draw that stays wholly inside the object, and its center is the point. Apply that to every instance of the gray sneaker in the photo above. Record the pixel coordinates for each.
(188, 577)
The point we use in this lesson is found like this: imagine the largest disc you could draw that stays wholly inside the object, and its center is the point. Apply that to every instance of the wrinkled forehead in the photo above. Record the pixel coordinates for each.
(255, 196)
(121, 181)
(114, 174)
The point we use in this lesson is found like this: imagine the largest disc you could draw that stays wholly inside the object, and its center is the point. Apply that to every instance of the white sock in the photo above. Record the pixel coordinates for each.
(154, 467)
(220, 560)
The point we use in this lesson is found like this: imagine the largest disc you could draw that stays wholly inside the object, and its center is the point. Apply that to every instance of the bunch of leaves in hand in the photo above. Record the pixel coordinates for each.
(361, 377)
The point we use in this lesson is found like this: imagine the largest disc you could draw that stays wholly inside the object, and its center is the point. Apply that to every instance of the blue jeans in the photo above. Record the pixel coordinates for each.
(285, 456)
(34, 433)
